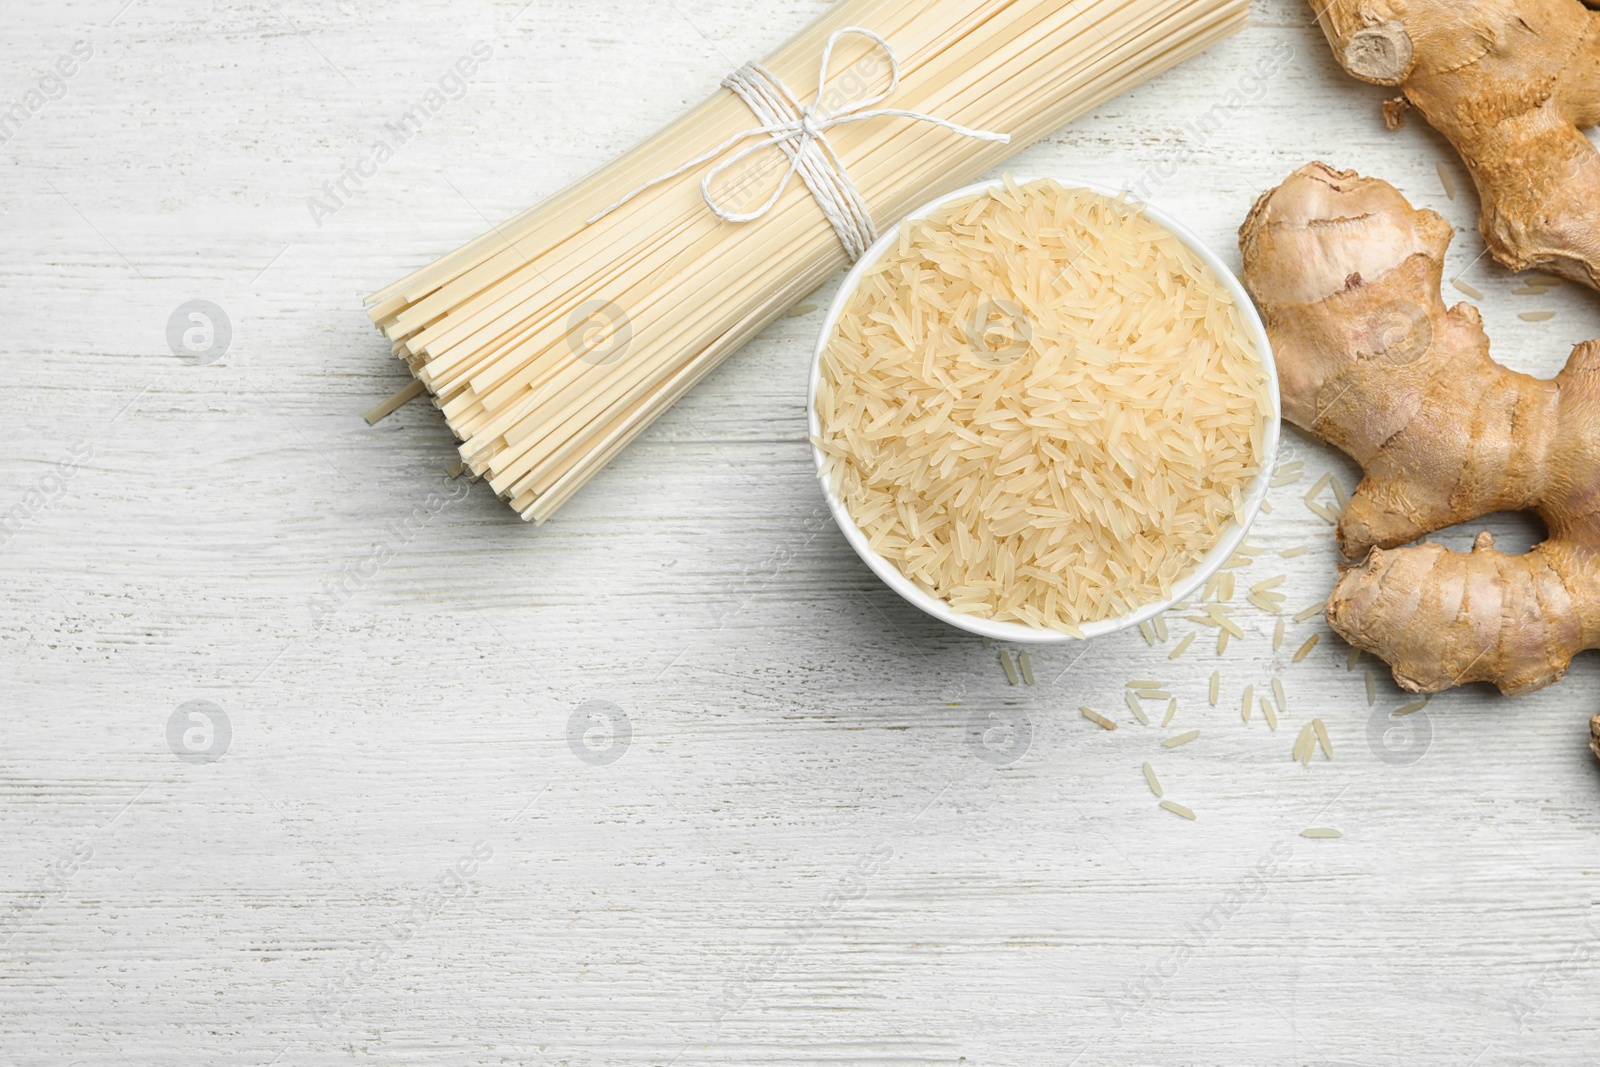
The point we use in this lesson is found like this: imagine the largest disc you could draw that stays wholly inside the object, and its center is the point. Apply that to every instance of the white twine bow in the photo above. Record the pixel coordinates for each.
(801, 132)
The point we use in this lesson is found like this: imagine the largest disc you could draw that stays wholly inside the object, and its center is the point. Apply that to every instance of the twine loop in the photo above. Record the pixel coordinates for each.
(801, 133)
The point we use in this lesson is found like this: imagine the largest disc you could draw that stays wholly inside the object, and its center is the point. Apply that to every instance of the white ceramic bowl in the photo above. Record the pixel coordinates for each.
(1013, 631)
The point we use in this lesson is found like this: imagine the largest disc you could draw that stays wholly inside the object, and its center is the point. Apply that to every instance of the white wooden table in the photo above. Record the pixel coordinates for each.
(390, 833)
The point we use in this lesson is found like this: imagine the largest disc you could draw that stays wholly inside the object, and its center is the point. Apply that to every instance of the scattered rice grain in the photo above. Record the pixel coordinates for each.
(1320, 831)
(1155, 783)
(1319, 486)
(1268, 606)
(1322, 737)
(1216, 682)
(1372, 689)
(1277, 694)
(1181, 739)
(1291, 553)
(1271, 715)
(1011, 672)
(1183, 646)
(1537, 316)
(1172, 709)
(1468, 288)
(1328, 514)
(1025, 663)
(1446, 180)
(1415, 705)
(1277, 635)
(1138, 712)
(1305, 650)
(1301, 742)
(1316, 609)
(1098, 719)
(1178, 809)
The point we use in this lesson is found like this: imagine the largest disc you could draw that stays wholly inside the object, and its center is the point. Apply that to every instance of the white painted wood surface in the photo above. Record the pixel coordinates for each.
(800, 855)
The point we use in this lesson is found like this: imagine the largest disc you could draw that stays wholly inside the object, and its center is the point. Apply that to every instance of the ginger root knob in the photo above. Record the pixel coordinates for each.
(1347, 275)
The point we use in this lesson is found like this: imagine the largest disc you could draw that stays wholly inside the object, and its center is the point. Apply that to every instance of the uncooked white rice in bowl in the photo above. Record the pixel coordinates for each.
(1041, 413)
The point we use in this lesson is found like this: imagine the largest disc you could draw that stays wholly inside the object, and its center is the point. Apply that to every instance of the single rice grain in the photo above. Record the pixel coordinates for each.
(1011, 672)
(1098, 719)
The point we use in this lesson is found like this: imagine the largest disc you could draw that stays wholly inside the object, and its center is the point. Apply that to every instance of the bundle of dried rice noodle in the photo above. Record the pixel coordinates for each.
(556, 338)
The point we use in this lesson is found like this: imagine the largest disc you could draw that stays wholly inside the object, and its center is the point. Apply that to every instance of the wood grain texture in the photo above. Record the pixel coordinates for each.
(802, 854)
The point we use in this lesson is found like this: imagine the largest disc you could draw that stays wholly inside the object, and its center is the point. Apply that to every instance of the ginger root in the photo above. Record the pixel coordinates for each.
(1511, 84)
(1347, 275)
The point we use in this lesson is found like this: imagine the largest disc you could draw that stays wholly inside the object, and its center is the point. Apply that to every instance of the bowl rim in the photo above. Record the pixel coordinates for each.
(1016, 632)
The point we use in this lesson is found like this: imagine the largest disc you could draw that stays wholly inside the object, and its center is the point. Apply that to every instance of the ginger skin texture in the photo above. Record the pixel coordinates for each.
(1512, 84)
(1347, 275)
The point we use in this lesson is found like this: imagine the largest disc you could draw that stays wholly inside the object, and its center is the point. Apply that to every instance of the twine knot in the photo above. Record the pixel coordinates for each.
(801, 133)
